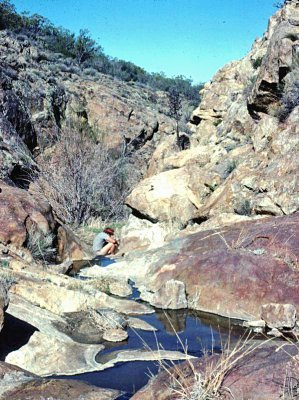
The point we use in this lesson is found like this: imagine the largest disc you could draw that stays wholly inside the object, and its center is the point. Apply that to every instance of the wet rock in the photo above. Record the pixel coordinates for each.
(119, 288)
(115, 335)
(92, 326)
(109, 360)
(45, 355)
(279, 315)
(137, 323)
(171, 295)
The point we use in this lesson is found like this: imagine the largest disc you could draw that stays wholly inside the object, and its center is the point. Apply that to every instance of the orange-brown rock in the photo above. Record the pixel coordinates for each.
(260, 375)
(20, 210)
(18, 384)
(231, 271)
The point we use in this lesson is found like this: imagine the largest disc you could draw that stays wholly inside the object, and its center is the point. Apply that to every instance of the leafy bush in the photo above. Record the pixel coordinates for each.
(90, 71)
(9, 19)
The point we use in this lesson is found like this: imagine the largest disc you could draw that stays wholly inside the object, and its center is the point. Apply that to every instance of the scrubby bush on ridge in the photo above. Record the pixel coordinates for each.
(84, 51)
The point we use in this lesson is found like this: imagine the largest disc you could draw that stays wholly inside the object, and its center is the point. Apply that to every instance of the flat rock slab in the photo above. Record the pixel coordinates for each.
(45, 355)
(60, 300)
(48, 356)
(137, 323)
(261, 375)
(18, 384)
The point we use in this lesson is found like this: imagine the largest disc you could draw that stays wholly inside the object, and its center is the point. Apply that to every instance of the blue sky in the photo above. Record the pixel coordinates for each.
(189, 37)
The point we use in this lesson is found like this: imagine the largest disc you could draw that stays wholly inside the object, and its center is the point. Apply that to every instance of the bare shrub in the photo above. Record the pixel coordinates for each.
(81, 178)
(41, 245)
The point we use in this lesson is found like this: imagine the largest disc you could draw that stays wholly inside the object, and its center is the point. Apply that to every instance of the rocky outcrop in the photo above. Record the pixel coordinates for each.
(21, 211)
(267, 373)
(243, 156)
(26, 219)
(231, 271)
(279, 316)
(60, 300)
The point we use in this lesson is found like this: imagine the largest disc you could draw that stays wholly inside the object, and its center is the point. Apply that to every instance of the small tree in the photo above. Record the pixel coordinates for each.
(175, 109)
(9, 19)
(85, 47)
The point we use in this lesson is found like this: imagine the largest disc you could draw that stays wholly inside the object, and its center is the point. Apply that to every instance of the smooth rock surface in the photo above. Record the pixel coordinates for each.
(171, 295)
(50, 356)
(18, 384)
(279, 315)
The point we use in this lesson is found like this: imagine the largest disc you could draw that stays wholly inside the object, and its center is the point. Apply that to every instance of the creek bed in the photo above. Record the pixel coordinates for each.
(198, 332)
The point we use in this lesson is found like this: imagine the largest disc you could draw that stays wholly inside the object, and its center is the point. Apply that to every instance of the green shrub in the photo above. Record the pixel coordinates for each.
(90, 71)
(257, 62)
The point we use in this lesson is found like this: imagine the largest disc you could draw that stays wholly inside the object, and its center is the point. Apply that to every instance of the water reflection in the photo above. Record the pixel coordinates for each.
(174, 321)
(180, 330)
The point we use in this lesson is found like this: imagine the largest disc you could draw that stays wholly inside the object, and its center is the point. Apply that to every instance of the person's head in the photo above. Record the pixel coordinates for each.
(109, 231)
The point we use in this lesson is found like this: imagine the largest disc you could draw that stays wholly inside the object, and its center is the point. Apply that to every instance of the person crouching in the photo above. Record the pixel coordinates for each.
(105, 243)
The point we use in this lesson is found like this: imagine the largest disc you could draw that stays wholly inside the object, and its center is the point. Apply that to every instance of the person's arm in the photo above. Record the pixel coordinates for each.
(111, 240)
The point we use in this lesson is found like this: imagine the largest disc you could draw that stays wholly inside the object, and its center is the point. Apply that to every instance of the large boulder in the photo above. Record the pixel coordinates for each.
(20, 211)
(231, 271)
(173, 196)
(26, 217)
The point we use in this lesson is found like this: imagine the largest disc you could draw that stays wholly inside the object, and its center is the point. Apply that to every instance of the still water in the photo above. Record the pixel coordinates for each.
(177, 330)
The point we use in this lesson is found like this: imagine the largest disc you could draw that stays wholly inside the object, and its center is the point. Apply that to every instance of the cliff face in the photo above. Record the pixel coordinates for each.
(243, 159)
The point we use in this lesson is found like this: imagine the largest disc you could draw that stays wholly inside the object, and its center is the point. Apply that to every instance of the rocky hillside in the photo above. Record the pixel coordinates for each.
(41, 90)
(243, 161)
(42, 93)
